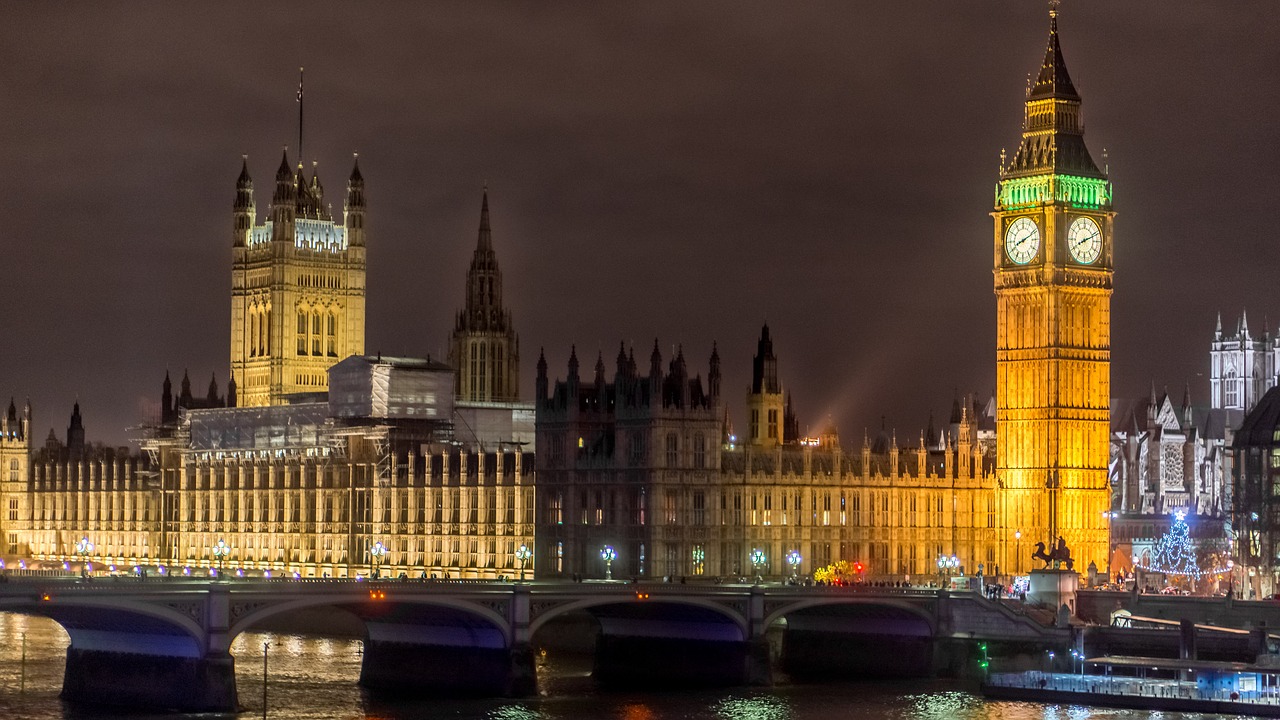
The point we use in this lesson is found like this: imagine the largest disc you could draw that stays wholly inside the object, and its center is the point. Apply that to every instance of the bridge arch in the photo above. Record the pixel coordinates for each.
(92, 622)
(470, 608)
(799, 605)
(738, 621)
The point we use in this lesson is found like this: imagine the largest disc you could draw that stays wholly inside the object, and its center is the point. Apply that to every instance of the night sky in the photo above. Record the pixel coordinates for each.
(686, 171)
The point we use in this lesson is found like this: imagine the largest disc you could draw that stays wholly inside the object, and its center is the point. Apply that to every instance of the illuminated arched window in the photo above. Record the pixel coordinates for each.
(316, 330)
(331, 336)
(302, 333)
(1231, 389)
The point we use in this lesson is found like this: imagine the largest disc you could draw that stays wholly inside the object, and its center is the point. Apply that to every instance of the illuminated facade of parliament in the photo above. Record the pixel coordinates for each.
(318, 456)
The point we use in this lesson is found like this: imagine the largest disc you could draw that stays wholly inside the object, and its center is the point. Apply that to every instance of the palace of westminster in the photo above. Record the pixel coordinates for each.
(318, 459)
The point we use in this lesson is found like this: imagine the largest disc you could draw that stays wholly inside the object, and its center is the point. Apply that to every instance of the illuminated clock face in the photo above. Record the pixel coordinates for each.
(1022, 240)
(1084, 240)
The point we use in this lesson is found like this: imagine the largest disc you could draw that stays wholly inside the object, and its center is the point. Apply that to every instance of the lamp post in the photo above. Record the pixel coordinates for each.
(377, 552)
(1017, 552)
(84, 548)
(523, 553)
(608, 555)
(947, 564)
(793, 559)
(220, 552)
(757, 562)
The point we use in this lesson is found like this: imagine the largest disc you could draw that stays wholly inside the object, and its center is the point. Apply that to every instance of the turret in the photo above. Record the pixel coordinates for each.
(572, 379)
(599, 379)
(231, 391)
(9, 426)
(244, 211)
(317, 192)
(212, 397)
(355, 207)
(764, 397)
(184, 398)
(166, 399)
(75, 432)
(284, 203)
(620, 371)
(540, 385)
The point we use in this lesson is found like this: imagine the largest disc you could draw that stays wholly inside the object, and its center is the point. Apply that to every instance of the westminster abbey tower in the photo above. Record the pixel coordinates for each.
(1053, 278)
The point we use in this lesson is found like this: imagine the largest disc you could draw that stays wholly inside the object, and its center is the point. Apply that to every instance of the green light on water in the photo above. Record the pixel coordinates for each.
(757, 708)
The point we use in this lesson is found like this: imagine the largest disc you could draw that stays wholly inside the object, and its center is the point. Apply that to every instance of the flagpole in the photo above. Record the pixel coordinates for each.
(300, 158)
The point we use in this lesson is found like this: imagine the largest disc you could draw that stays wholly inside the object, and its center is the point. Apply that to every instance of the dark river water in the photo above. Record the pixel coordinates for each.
(311, 677)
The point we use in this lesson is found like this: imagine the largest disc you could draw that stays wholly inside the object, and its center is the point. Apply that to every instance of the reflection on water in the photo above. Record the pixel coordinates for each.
(315, 678)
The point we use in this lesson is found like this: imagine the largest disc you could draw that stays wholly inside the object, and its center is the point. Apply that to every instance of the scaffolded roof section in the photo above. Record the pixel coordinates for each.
(279, 427)
(375, 386)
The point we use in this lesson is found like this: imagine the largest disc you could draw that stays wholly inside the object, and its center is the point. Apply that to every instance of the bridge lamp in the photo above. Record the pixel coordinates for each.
(220, 552)
(608, 554)
(523, 553)
(757, 561)
(186, 571)
(84, 549)
(377, 552)
(793, 559)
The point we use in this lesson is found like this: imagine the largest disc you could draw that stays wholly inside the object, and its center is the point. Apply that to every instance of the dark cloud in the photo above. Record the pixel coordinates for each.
(679, 170)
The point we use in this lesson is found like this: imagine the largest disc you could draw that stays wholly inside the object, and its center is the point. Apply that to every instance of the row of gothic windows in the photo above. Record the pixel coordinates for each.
(317, 334)
(259, 331)
(487, 365)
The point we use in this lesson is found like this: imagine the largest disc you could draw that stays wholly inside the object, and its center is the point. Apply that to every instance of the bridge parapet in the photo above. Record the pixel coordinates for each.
(416, 624)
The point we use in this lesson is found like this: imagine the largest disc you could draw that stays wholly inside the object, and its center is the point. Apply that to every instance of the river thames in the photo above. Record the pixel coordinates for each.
(315, 678)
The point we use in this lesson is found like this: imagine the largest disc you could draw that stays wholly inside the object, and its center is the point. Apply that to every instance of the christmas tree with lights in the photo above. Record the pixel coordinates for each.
(1175, 554)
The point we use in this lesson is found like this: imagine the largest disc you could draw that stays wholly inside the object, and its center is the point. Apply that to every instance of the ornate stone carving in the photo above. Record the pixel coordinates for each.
(192, 610)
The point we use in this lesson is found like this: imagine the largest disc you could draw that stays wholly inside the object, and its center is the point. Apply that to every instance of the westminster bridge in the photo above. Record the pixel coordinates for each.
(165, 643)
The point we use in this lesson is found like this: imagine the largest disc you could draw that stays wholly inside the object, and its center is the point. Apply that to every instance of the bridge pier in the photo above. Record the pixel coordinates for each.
(397, 667)
(522, 673)
(96, 677)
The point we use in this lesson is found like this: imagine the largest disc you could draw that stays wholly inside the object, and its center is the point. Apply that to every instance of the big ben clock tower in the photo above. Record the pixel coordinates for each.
(1053, 279)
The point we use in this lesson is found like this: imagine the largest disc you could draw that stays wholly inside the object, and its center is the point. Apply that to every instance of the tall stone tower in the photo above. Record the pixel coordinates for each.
(765, 401)
(1053, 279)
(15, 457)
(297, 286)
(485, 349)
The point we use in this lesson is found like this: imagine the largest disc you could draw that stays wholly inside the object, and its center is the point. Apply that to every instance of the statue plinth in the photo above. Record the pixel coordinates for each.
(1054, 588)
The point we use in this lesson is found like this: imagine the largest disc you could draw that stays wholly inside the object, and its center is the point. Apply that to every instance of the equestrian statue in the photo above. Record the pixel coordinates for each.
(1060, 554)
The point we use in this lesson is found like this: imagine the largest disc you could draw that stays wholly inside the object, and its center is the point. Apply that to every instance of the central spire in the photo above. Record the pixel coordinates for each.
(1053, 80)
(485, 240)
(1053, 128)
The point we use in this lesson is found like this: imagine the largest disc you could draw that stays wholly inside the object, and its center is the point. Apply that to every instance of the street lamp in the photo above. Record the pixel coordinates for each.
(947, 564)
(84, 548)
(793, 559)
(220, 552)
(523, 553)
(377, 552)
(608, 555)
(757, 562)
